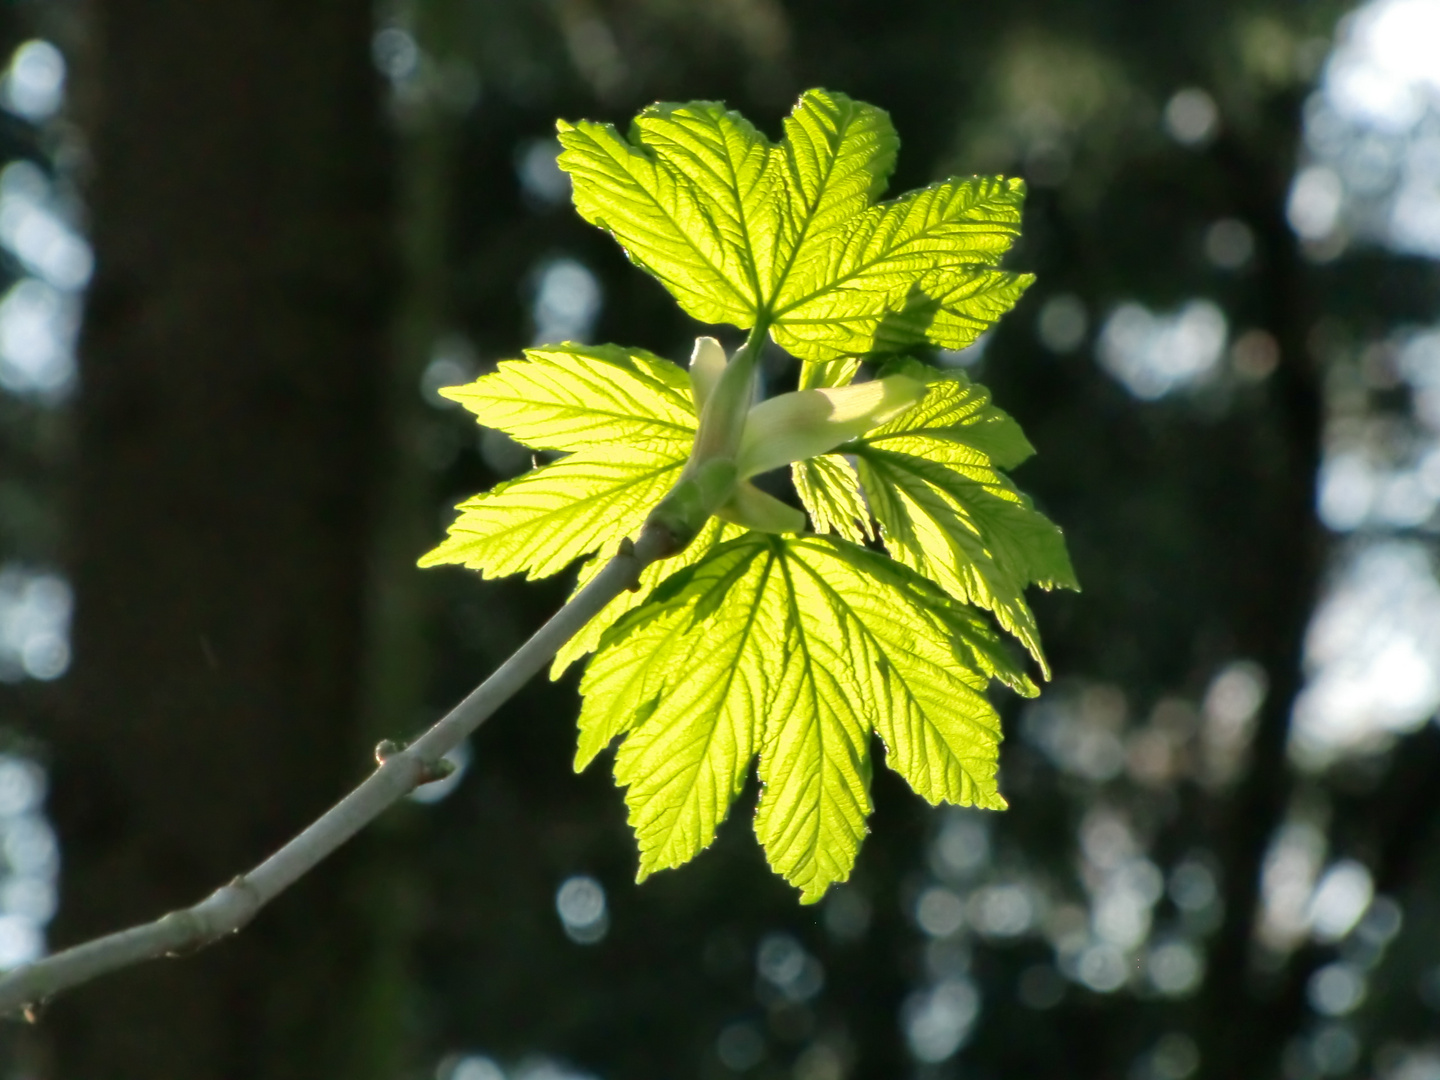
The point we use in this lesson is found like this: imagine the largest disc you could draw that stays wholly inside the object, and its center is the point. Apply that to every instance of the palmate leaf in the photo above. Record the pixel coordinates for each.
(918, 269)
(744, 231)
(695, 208)
(795, 648)
(626, 418)
(933, 481)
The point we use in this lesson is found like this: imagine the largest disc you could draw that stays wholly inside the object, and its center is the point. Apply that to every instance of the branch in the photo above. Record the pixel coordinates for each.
(232, 906)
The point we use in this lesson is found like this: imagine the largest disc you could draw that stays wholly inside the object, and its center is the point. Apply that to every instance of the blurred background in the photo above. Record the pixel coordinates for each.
(241, 247)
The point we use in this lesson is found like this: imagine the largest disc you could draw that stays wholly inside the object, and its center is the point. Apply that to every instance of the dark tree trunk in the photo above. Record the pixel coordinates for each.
(231, 370)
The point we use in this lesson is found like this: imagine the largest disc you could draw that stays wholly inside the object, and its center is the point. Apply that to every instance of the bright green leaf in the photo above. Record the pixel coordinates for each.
(932, 477)
(689, 196)
(689, 690)
(958, 413)
(830, 490)
(585, 397)
(926, 527)
(543, 521)
(837, 155)
(588, 638)
(918, 269)
(795, 648)
(744, 231)
(948, 512)
(626, 415)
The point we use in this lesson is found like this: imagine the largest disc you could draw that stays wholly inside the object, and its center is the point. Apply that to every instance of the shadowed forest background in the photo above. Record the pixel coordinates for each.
(244, 244)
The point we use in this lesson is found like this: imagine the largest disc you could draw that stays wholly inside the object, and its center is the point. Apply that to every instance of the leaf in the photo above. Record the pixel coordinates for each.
(585, 397)
(543, 521)
(932, 477)
(918, 269)
(744, 231)
(948, 512)
(689, 198)
(798, 649)
(688, 690)
(756, 642)
(589, 637)
(627, 418)
(830, 490)
(924, 527)
(956, 411)
(838, 154)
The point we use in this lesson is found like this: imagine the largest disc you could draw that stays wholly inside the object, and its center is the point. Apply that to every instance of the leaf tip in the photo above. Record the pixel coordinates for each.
(439, 555)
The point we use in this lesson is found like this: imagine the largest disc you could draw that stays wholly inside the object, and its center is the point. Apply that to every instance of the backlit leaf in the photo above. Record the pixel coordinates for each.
(918, 269)
(588, 638)
(830, 490)
(627, 416)
(742, 231)
(677, 195)
(543, 521)
(946, 510)
(585, 397)
(795, 649)
(932, 478)
(792, 650)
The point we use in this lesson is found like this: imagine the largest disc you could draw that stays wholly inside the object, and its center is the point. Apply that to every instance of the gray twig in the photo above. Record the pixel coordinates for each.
(400, 771)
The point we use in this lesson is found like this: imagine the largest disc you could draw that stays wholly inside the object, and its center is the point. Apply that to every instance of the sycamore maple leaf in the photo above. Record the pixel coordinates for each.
(795, 648)
(789, 237)
(933, 479)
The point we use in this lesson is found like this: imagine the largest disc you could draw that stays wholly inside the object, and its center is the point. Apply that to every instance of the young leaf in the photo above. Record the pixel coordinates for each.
(754, 640)
(626, 417)
(918, 269)
(838, 154)
(679, 195)
(745, 232)
(543, 521)
(932, 477)
(830, 490)
(960, 411)
(585, 397)
(796, 648)
(588, 639)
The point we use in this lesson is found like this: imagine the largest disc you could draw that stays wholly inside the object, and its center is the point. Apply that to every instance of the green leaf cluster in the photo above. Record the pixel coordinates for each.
(794, 649)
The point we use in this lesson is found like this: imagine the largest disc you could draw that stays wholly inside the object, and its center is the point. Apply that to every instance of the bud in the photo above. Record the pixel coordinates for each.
(807, 423)
(735, 440)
